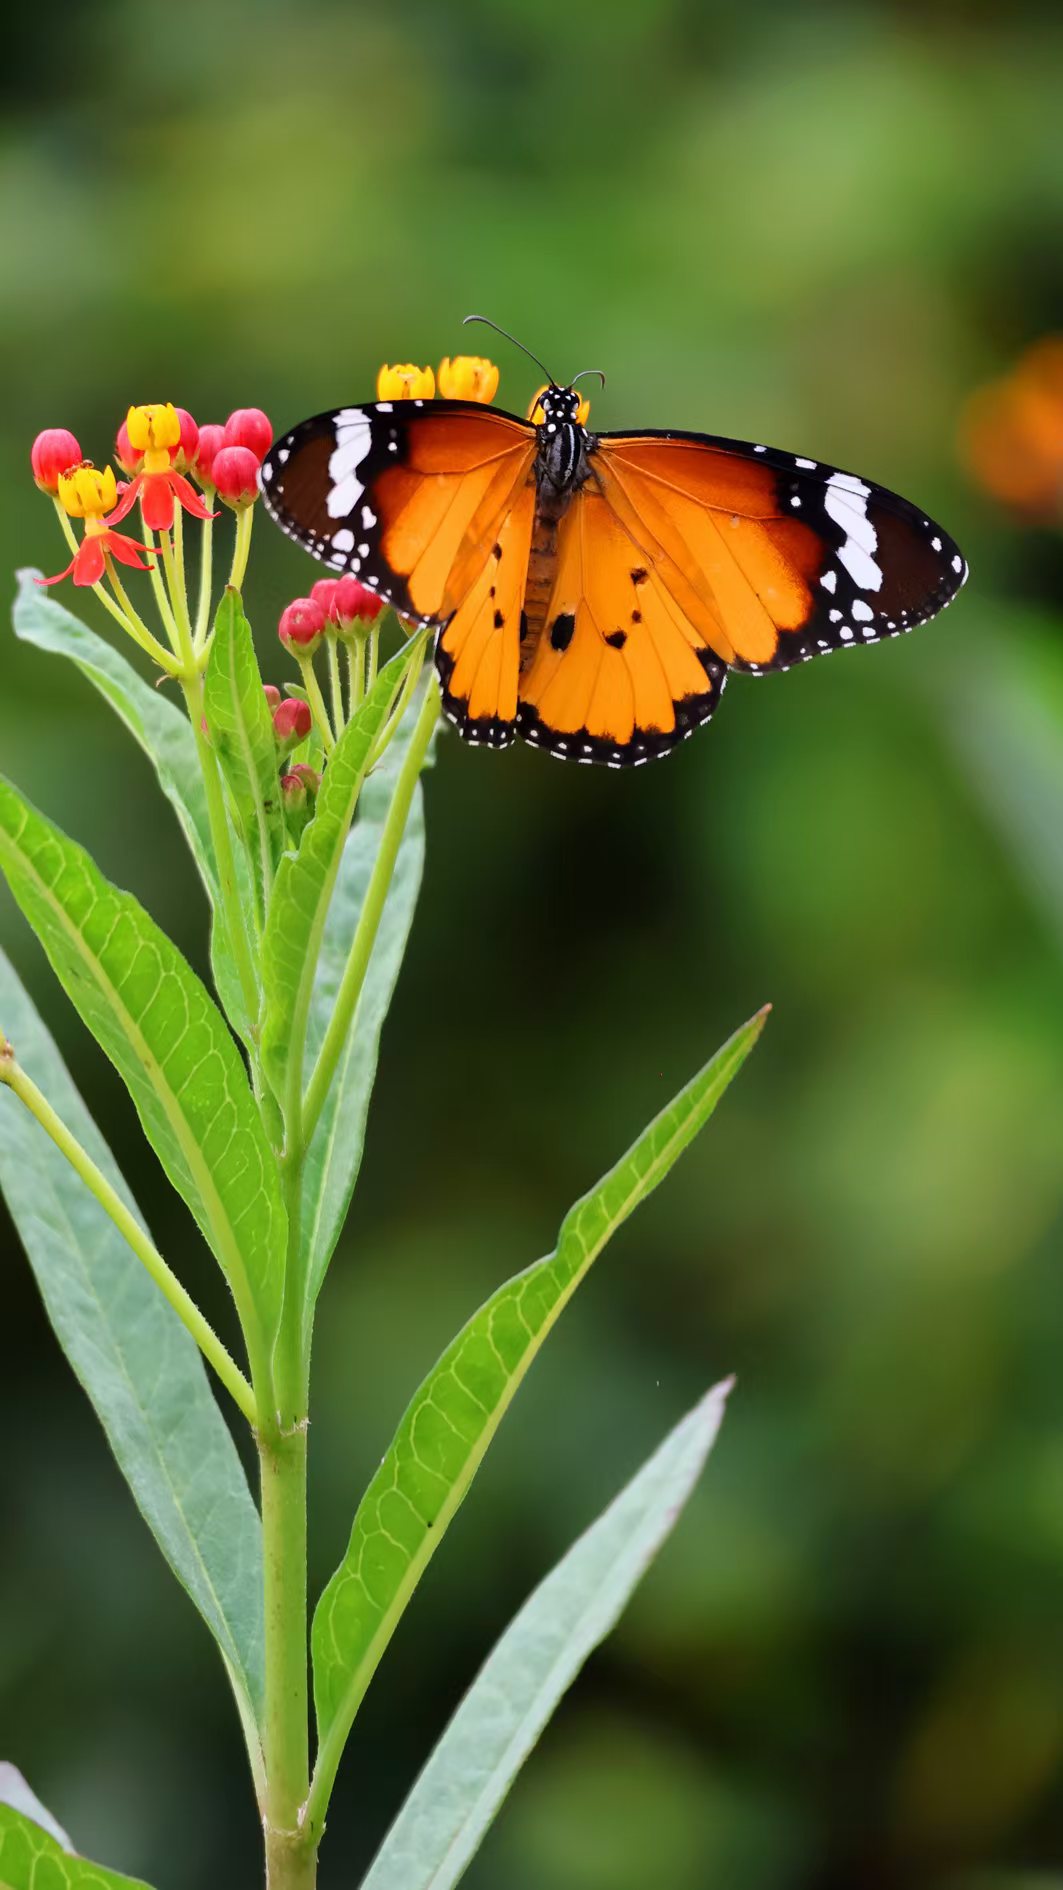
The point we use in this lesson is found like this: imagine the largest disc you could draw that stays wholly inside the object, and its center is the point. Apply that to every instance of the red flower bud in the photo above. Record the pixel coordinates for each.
(271, 693)
(298, 789)
(292, 721)
(234, 475)
(324, 593)
(125, 452)
(354, 602)
(53, 452)
(208, 446)
(184, 453)
(249, 427)
(302, 624)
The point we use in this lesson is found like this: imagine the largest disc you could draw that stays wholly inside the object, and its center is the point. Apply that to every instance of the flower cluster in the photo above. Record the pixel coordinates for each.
(1012, 434)
(161, 451)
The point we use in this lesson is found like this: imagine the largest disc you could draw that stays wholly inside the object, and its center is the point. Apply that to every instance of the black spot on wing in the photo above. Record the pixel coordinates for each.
(561, 630)
(499, 620)
(616, 639)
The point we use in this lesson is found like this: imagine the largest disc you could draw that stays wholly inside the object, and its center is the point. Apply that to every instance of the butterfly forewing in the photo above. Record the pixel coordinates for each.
(791, 558)
(406, 495)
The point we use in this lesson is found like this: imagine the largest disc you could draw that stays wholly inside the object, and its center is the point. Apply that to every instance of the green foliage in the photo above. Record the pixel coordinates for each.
(305, 883)
(137, 1363)
(240, 729)
(538, 1657)
(168, 1041)
(157, 725)
(453, 1417)
(334, 1154)
(32, 1860)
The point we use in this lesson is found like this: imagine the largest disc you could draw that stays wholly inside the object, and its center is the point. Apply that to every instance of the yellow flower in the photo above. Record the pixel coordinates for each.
(86, 492)
(405, 382)
(468, 377)
(537, 416)
(154, 430)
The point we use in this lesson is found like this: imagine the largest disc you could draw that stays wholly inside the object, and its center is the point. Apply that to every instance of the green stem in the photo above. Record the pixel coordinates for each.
(132, 622)
(317, 702)
(245, 515)
(162, 603)
(339, 720)
(354, 657)
(387, 733)
(206, 572)
(372, 910)
(223, 849)
(23, 1086)
(291, 1845)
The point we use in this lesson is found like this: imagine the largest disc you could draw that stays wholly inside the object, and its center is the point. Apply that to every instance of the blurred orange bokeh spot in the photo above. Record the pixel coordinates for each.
(1011, 433)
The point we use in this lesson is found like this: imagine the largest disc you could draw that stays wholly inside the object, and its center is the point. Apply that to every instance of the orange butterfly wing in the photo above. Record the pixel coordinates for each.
(617, 672)
(478, 653)
(408, 497)
(777, 558)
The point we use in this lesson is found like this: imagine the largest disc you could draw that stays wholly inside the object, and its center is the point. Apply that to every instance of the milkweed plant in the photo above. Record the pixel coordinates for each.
(303, 813)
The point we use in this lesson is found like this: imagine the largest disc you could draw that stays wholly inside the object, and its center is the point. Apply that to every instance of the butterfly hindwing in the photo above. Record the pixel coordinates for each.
(791, 558)
(617, 672)
(478, 653)
(407, 495)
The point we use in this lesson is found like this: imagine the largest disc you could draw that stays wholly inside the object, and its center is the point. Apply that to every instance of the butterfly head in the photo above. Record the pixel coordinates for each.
(559, 405)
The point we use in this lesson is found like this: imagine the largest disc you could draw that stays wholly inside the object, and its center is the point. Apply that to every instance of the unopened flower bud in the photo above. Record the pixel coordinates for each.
(184, 455)
(405, 381)
(299, 788)
(271, 693)
(125, 452)
(208, 446)
(354, 603)
(302, 625)
(468, 377)
(53, 452)
(234, 475)
(250, 427)
(292, 722)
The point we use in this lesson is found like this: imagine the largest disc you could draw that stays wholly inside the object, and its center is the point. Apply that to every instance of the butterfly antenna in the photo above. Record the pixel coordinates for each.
(506, 336)
(587, 370)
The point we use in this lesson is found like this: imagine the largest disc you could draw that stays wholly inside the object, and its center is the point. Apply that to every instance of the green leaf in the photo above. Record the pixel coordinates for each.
(453, 1417)
(304, 887)
(32, 1860)
(157, 1023)
(461, 1788)
(335, 1153)
(19, 1794)
(240, 728)
(140, 1367)
(159, 727)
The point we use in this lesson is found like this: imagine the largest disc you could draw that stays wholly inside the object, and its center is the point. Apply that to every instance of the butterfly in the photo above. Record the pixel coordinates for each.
(592, 591)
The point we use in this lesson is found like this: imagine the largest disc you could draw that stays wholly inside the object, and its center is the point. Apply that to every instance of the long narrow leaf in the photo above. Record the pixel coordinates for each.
(306, 880)
(32, 1860)
(453, 1802)
(157, 1023)
(452, 1419)
(241, 731)
(141, 1369)
(159, 727)
(335, 1151)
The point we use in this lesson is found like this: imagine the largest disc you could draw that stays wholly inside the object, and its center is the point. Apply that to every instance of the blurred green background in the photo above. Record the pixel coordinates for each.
(817, 226)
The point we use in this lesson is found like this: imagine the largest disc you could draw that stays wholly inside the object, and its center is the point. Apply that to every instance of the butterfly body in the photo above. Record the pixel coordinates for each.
(592, 591)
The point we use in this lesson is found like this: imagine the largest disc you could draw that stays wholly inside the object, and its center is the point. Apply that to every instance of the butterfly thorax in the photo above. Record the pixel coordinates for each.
(561, 468)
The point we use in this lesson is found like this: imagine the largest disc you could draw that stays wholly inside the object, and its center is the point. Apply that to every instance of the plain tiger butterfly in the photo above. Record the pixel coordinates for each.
(591, 591)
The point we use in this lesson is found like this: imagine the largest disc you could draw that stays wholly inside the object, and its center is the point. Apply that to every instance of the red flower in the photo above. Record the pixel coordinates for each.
(53, 452)
(158, 433)
(249, 427)
(86, 492)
